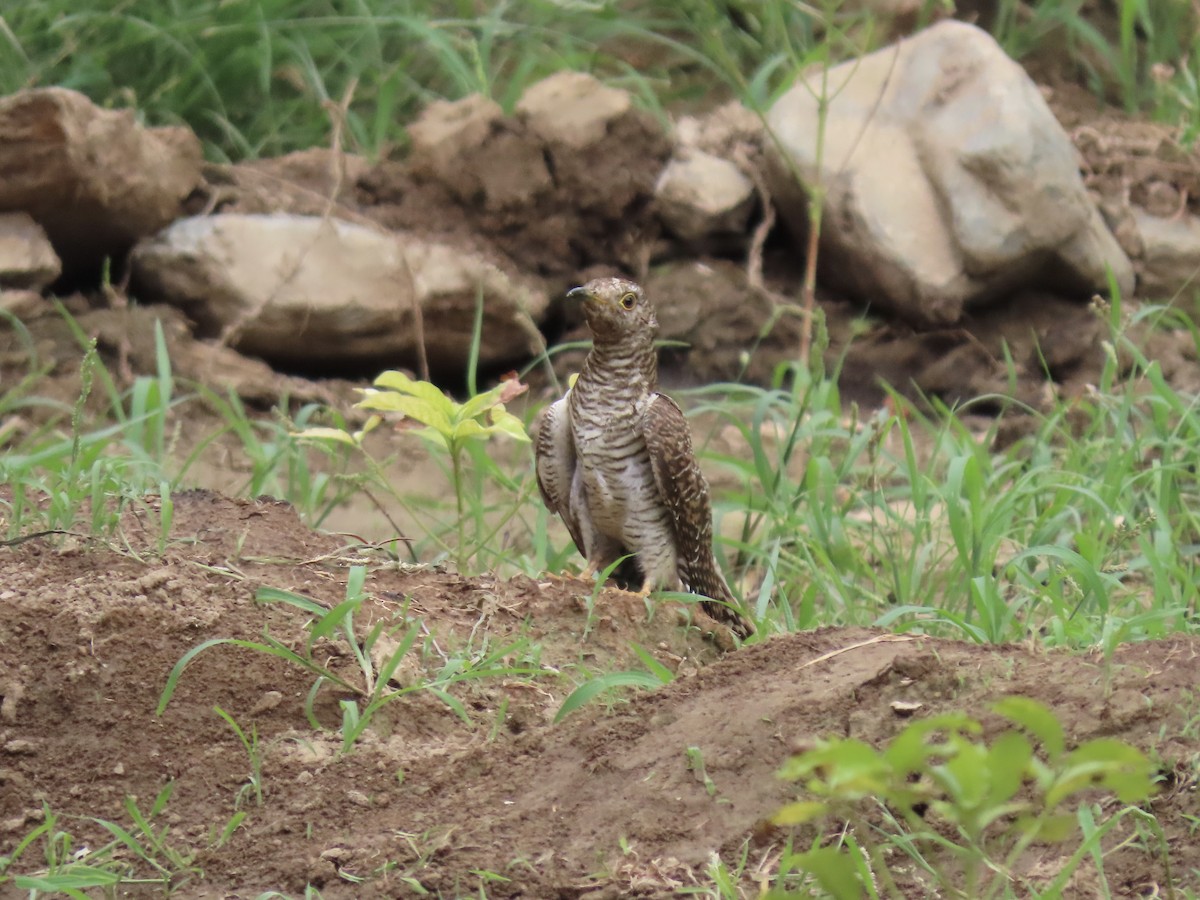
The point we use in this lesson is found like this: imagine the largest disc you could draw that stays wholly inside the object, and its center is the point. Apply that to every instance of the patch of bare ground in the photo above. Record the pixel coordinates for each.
(603, 804)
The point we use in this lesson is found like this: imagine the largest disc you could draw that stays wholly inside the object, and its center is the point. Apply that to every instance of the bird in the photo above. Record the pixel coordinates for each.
(615, 462)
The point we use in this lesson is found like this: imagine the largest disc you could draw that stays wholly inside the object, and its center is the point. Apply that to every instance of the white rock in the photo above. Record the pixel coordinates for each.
(720, 130)
(26, 258)
(24, 305)
(573, 109)
(699, 194)
(1170, 262)
(949, 182)
(302, 290)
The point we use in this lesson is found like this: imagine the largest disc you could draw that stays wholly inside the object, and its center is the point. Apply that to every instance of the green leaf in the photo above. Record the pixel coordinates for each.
(435, 414)
(327, 434)
(1053, 828)
(435, 437)
(910, 750)
(657, 669)
(423, 390)
(388, 669)
(1037, 719)
(480, 403)
(467, 429)
(68, 880)
(508, 424)
(833, 870)
(453, 702)
(590, 689)
(278, 595)
(964, 775)
(333, 619)
(850, 769)
(1108, 762)
(800, 812)
(1008, 763)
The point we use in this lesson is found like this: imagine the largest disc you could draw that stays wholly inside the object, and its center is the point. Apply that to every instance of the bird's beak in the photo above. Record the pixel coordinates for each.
(579, 293)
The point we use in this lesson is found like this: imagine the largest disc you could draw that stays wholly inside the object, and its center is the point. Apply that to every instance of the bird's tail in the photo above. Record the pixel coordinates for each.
(721, 605)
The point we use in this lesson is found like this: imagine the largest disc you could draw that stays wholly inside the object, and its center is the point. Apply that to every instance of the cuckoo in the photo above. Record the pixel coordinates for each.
(615, 459)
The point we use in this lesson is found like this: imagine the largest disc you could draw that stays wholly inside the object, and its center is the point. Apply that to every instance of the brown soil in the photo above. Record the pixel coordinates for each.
(603, 804)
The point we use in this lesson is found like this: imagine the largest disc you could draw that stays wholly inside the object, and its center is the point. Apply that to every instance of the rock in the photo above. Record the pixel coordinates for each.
(699, 195)
(572, 109)
(721, 130)
(305, 183)
(949, 183)
(11, 694)
(24, 305)
(1170, 262)
(312, 292)
(477, 155)
(26, 258)
(267, 702)
(567, 182)
(93, 178)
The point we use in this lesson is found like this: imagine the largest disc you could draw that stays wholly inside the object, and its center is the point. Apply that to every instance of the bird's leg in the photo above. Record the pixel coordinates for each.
(588, 574)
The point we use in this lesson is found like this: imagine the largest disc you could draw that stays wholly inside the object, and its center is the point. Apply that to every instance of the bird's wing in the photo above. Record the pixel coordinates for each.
(684, 491)
(556, 464)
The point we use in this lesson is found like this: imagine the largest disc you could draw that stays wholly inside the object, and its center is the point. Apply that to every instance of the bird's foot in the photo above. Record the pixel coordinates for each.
(568, 578)
(717, 632)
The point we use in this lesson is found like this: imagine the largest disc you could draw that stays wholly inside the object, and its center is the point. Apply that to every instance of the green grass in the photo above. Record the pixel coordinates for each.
(1085, 532)
(144, 852)
(264, 77)
(257, 77)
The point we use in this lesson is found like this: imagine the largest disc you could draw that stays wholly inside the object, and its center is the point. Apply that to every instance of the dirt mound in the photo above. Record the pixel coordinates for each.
(485, 790)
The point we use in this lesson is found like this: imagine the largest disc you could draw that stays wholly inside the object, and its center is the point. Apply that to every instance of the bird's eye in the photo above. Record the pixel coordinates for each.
(628, 301)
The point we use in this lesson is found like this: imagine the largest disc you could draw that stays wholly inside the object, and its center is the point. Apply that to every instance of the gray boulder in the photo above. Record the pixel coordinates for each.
(305, 290)
(949, 183)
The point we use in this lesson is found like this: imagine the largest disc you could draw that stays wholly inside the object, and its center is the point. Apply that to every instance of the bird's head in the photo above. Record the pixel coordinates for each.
(616, 308)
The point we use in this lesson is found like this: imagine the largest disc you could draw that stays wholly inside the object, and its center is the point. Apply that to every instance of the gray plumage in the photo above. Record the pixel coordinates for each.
(615, 459)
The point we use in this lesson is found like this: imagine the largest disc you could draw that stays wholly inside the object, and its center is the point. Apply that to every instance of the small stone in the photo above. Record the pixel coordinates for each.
(304, 777)
(573, 109)
(20, 747)
(26, 258)
(267, 702)
(358, 798)
(1162, 199)
(446, 128)
(700, 195)
(10, 697)
(119, 769)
